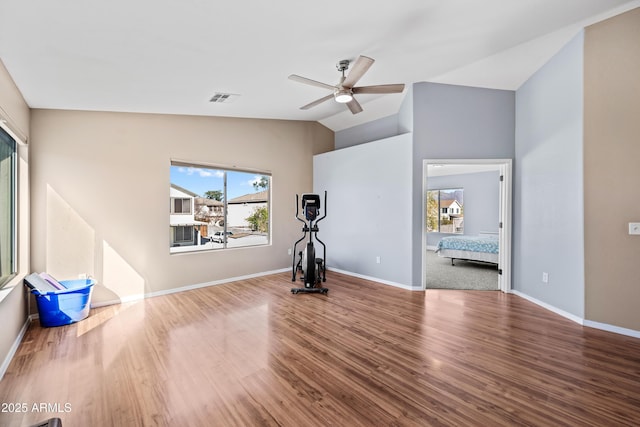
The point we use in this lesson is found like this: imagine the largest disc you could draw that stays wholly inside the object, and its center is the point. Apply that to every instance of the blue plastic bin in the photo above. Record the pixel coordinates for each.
(65, 306)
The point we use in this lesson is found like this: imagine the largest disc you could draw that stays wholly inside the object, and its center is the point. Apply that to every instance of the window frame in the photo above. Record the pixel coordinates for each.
(176, 248)
(182, 229)
(182, 211)
(13, 208)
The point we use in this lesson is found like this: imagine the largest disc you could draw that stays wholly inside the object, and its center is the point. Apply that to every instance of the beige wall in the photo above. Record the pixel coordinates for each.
(612, 174)
(100, 191)
(13, 301)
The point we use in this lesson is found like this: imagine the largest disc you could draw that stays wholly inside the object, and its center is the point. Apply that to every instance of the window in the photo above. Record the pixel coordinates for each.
(180, 205)
(183, 233)
(8, 181)
(217, 208)
(445, 211)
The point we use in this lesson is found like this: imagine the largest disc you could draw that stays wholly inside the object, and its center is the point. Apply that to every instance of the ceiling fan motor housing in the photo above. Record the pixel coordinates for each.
(342, 65)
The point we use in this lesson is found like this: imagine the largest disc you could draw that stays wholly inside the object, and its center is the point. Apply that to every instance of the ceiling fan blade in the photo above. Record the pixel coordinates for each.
(307, 81)
(393, 88)
(357, 71)
(354, 106)
(316, 102)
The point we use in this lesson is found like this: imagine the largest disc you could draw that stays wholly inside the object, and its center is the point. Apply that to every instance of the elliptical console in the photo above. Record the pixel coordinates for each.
(312, 268)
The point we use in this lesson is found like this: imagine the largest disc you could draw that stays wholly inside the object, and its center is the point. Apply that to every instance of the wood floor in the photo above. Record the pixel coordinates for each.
(250, 353)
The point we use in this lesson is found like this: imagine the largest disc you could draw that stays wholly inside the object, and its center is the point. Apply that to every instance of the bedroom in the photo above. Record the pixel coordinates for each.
(74, 152)
(474, 191)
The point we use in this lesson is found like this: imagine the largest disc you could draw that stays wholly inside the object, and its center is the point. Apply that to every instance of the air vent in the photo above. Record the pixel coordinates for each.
(220, 97)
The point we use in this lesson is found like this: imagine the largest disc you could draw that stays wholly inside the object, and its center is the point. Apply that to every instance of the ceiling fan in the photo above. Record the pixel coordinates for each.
(345, 89)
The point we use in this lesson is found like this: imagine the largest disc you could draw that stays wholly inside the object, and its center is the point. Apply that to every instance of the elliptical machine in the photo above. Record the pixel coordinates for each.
(312, 267)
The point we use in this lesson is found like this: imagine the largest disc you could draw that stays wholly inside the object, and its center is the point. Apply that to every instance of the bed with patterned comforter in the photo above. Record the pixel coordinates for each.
(483, 248)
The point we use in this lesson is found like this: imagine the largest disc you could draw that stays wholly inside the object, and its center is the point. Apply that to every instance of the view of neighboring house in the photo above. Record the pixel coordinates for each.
(449, 208)
(194, 218)
(451, 216)
(185, 229)
(209, 210)
(242, 207)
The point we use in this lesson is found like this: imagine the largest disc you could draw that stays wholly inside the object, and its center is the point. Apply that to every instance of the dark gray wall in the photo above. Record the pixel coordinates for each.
(548, 230)
(456, 122)
(397, 124)
(367, 132)
(481, 201)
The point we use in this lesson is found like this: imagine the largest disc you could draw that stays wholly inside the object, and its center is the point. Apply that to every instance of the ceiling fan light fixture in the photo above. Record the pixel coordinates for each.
(343, 95)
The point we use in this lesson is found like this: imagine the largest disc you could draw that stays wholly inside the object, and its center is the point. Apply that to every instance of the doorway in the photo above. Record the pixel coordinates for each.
(502, 168)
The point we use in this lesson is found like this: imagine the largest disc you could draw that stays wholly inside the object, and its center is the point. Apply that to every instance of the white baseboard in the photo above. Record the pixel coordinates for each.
(374, 279)
(612, 328)
(579, 320)
(14, 347)
(549, 307)
(138, 297)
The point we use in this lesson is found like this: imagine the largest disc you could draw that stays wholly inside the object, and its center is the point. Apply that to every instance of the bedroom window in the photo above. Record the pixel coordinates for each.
(8, 181)
(445, 211)
(215, 208)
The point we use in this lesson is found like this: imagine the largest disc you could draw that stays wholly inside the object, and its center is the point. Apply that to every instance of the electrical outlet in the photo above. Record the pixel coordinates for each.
(634, 228)
(377, 260)
(289, 251)
(545, 277)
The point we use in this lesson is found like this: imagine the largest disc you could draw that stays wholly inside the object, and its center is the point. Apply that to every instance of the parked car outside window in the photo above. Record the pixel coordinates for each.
(218, 236)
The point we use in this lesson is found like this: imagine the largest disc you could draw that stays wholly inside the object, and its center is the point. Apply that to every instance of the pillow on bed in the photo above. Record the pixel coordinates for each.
(488, 234)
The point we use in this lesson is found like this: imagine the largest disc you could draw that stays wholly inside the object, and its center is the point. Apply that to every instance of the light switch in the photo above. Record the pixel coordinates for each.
(634, 228)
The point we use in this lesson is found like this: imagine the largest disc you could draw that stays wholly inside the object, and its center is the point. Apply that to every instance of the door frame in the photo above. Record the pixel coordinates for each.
(505, 167)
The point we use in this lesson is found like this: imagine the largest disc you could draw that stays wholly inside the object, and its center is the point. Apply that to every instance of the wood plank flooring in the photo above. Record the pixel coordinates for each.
(250, 353)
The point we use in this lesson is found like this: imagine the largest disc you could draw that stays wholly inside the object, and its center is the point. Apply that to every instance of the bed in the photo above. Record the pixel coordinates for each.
(483, 248)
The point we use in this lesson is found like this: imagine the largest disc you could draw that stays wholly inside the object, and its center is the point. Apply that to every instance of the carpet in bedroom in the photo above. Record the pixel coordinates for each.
(465, 275)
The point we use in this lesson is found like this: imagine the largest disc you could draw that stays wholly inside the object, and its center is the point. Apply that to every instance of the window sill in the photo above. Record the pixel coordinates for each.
(9, 287)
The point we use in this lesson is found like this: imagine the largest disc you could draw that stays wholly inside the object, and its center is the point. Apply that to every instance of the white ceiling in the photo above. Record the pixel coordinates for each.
(171, 56)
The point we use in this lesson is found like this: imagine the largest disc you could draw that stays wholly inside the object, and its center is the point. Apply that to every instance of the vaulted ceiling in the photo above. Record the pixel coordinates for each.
(173, 56)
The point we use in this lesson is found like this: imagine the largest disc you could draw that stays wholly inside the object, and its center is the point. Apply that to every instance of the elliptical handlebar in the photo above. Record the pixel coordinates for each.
(298, 211)
(325, 208)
